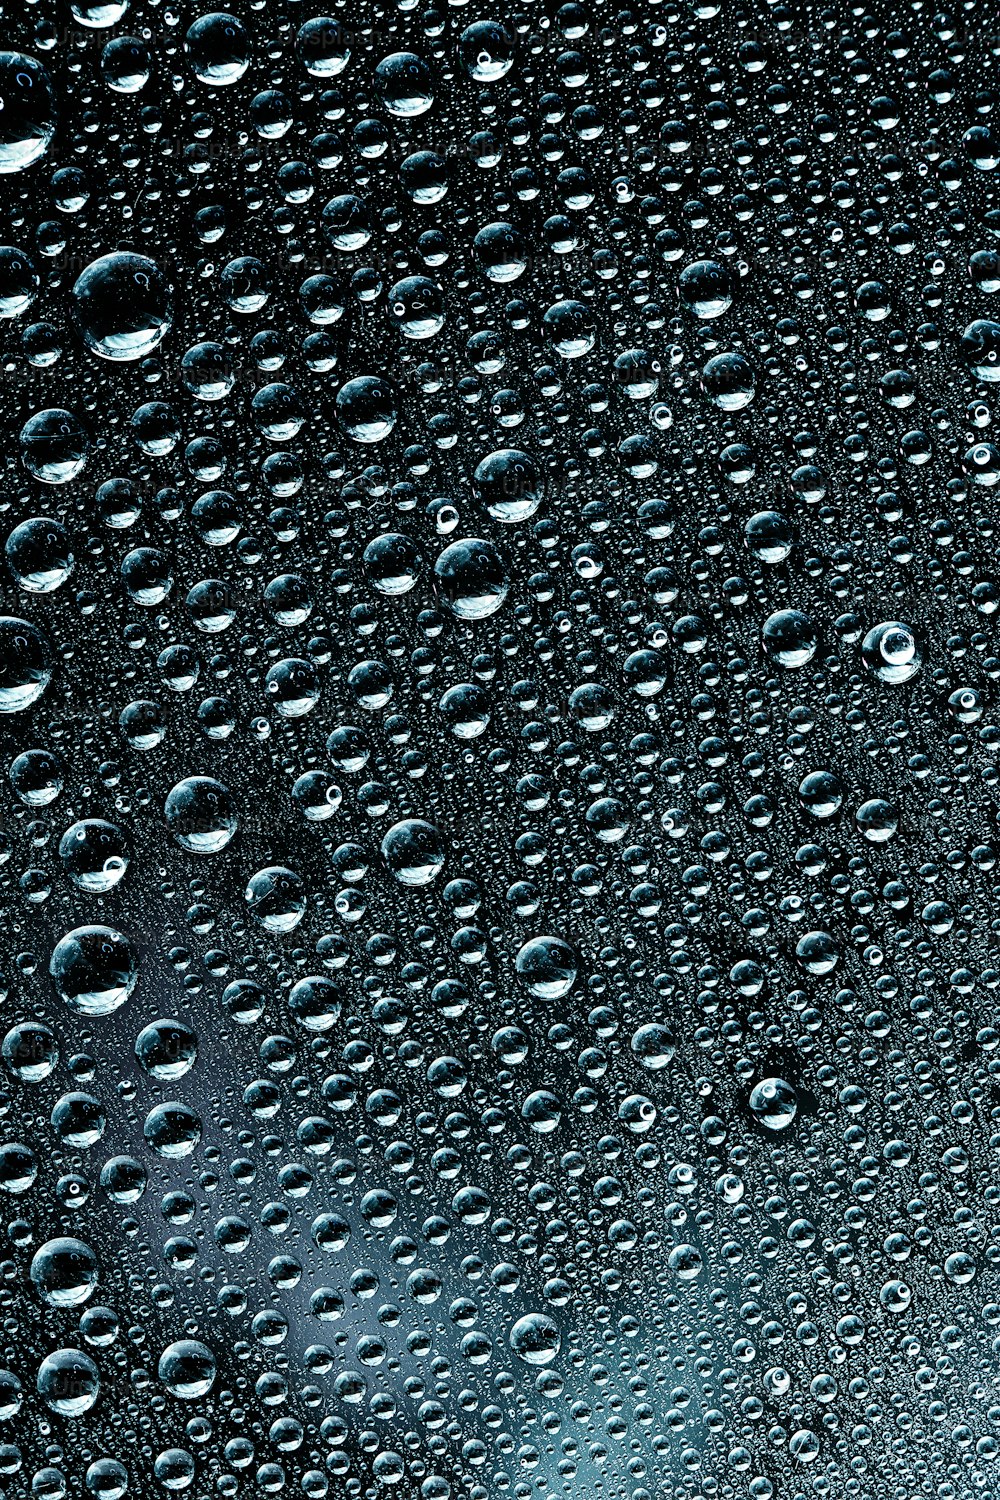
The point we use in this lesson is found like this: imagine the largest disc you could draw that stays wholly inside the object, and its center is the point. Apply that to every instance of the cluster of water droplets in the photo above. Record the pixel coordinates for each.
(497, 671)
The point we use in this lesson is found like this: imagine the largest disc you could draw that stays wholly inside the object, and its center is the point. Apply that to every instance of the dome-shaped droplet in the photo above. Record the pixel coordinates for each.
(123, 305)
(414, 851)
(774, 1103)
(26, 662)
(217, 48)
(535, 1338)
(187, 1369)
(28, 112)
(546, 966)
(94, 970)
(64, 1272)
(471, 578)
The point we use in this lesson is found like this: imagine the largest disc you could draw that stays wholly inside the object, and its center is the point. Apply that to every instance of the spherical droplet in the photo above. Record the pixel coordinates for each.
(94, 970)
(535, 1338)
(123, 305)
